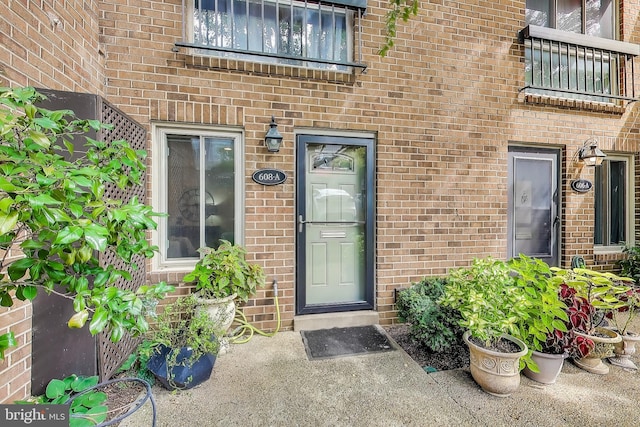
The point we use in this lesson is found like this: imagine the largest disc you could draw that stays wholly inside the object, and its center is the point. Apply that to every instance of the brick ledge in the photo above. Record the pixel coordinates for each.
(577, 104)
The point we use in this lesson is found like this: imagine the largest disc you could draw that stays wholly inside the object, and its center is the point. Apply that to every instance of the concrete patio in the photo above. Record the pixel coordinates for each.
(271, 382)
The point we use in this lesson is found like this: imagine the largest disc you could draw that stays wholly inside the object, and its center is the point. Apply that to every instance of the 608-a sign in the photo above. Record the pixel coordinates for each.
(269, 176)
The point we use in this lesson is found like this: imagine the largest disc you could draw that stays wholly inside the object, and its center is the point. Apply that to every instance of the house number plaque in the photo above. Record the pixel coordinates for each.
(269, 176)
(581, 185)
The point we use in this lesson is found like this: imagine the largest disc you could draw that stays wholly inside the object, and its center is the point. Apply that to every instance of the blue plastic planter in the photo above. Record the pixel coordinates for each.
(182, 375)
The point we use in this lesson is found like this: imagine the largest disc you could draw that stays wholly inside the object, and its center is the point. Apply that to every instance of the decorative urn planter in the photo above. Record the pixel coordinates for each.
(221, 311)
(623, 351)
(549, 365)
(496, 373)
(605, 339)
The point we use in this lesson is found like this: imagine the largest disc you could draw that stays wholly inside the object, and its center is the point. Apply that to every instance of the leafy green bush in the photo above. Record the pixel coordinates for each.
(432, 325)
(631, 264)
(87, 409)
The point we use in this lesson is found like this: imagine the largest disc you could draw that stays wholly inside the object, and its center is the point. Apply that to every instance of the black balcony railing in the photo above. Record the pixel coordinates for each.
(575, 66)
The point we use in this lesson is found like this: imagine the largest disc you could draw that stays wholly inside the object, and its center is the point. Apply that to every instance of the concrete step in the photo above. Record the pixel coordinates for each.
(312, 322)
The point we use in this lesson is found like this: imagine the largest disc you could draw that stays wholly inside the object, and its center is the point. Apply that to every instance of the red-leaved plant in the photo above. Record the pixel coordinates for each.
(579, 312)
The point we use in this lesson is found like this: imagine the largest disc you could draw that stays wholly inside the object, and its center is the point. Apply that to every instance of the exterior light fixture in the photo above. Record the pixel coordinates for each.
(590, 153)
(273, 139)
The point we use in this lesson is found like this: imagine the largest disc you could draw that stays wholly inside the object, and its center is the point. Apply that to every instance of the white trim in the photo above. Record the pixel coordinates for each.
(159, 130)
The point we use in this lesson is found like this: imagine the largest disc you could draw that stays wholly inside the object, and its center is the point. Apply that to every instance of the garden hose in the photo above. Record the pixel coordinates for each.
(244, 332)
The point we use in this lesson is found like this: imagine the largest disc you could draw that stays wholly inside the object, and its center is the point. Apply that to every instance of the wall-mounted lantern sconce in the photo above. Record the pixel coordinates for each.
(273, 139)
(590, 153)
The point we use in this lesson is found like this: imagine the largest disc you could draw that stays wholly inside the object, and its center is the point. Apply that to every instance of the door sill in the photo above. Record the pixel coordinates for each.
(312, 322)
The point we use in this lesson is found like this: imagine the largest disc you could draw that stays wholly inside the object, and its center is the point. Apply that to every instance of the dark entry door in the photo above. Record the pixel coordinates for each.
(335, 207)
(533, 219)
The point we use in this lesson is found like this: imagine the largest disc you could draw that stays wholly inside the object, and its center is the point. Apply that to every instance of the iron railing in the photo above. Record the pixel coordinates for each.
(213, 30)
(575, 66)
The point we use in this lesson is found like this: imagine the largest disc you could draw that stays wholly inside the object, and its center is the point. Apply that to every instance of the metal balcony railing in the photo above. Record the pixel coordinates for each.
(575, 66)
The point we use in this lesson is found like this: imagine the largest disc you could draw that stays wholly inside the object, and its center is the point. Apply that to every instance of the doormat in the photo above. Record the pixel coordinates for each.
(339, 342)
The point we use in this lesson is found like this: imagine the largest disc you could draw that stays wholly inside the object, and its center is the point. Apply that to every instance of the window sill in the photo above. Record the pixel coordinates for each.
(171, 275)
(193, 60)
(608, 255)
(576, 104)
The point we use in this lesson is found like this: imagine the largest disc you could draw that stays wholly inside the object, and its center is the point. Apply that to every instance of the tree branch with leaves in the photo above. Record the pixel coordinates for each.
(54, 213)
(399, 9)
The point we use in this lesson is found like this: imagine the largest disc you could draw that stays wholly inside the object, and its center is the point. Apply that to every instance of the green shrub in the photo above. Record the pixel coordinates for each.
(631, 264)
(88, 407)
(431, 324)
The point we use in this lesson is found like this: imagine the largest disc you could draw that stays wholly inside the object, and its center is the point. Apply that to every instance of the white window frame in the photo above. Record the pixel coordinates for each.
(160, 130)
(630, 206)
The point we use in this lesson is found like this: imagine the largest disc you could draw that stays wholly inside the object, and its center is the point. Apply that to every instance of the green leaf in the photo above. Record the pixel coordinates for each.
(96, 236)
(39, 138)
(7, 186)
(83, 383)
(29, 292)
(55, 389)
(8, 222)
(6, 341)
(6, 300)
(68, 235)
(19, 267)
(98, 321)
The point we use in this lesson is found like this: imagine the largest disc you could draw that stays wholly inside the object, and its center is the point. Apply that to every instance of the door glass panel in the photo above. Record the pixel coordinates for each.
(335, 223)
(533, 207)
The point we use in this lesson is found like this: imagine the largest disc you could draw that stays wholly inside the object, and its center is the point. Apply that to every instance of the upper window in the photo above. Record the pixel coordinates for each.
(572, 51)
(281, 31)
(199, 186)
(590, 17)
(613, 202)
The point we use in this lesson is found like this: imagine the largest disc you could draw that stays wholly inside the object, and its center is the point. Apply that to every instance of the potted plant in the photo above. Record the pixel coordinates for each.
(223, 277)
(603, 292)
(562, 342)
(185, 345)
(622, 318)
(489, 305)
(543, 321)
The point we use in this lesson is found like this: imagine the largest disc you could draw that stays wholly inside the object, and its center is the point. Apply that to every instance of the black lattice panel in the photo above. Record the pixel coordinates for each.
(111, 355)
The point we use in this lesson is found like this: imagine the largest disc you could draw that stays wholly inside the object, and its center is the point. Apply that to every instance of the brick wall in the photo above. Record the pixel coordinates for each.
(444, 104)
(15, 369)
(51, 44)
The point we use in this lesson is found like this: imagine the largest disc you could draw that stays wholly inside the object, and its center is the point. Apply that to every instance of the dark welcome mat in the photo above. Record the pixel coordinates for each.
(336, 342)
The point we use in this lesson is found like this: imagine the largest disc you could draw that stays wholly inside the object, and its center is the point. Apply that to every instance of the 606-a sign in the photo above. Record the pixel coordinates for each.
(269, 176)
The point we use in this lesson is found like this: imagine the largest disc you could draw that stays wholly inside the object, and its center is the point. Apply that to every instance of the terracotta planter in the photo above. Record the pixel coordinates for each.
(496, 373)
(623, 351)
(549, 365)
(604, 348)
(221, 311)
